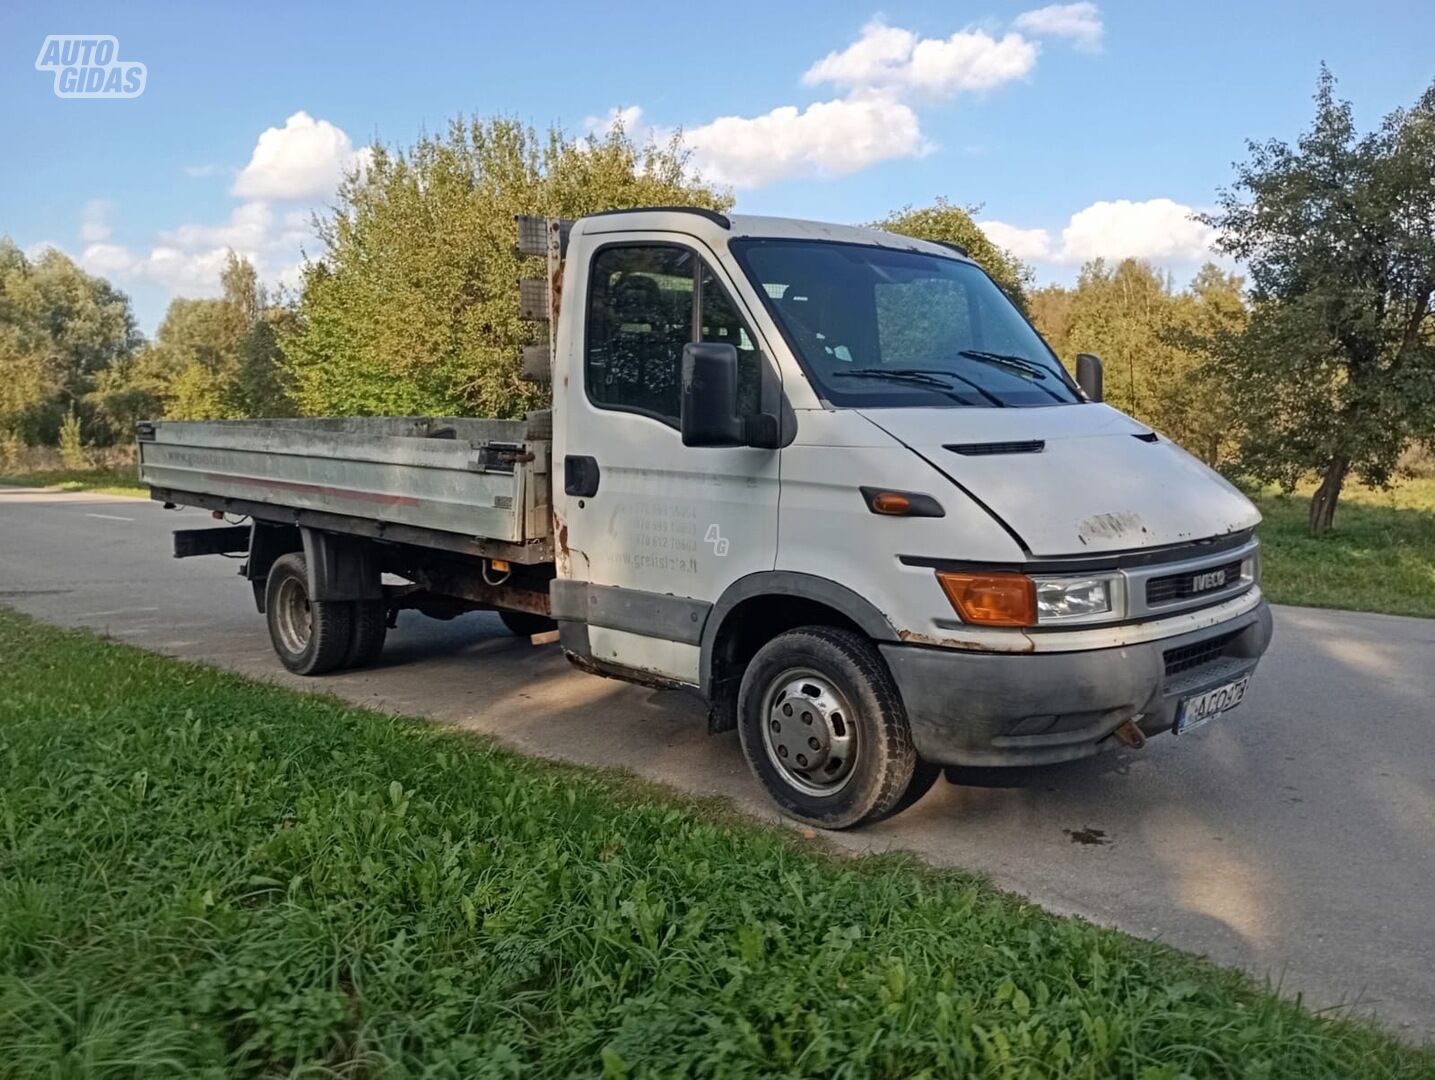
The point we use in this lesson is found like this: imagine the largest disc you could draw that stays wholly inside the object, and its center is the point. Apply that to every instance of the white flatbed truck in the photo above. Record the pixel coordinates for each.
(829, 478)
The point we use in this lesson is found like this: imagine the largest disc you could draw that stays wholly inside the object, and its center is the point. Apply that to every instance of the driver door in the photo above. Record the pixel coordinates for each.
(658, 530)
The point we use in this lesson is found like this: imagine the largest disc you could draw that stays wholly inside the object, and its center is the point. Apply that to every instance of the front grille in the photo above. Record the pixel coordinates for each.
(1193, 583)
(1189, 657)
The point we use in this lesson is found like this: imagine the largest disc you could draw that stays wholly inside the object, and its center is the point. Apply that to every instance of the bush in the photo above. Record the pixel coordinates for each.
(72, 445)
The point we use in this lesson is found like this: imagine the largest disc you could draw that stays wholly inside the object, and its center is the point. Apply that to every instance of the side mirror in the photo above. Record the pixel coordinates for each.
(709, 404)
(1089, 376)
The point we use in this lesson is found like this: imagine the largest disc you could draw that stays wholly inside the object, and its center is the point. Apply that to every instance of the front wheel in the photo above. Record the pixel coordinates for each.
(823, 728)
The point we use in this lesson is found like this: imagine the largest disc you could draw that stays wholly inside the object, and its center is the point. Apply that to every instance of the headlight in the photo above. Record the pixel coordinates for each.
(1066, 599)
(1251, 567)
(1013, 599)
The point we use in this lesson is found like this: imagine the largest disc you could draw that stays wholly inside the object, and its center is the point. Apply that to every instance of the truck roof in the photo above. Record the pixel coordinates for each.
(719, 227)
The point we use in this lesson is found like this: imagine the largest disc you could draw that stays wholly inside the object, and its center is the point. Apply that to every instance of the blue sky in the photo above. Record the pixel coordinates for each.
(1080, 129)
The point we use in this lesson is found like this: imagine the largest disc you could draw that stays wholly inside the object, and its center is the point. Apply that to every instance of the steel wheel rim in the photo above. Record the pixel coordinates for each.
(292, 617)
(809, 731)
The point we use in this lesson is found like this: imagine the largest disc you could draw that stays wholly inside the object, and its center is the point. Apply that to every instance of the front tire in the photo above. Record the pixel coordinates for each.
(311, 638)
(824, 729)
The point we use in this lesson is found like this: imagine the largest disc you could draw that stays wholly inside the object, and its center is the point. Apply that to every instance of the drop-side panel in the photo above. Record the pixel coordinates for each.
(473, 477)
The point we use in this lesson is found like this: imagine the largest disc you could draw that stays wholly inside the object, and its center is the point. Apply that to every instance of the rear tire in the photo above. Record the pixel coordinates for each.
(526, 624)
(311, 638)
(371, 627)
(824, 729)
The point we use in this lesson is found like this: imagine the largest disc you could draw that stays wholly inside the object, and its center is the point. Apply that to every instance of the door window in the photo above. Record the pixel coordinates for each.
(642, 310)
(721, 323)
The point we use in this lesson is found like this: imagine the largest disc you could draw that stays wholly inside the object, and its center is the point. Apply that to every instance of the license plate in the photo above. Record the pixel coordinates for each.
(1195, 711)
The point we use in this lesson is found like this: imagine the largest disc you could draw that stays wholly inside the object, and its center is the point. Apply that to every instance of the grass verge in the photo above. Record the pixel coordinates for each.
(1379, 557)
(202, 875)
(100, 481)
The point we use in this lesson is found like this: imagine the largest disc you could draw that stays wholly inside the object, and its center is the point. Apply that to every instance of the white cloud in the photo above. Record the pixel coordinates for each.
(291, 277)
(187, 273)
(296, 228)
(628, 117)
(300, 163)
(881, 75)
(304, 159)
(39, 247)
(879, 52)
(95, 225)
(107, 259)
(970, 61)
(1079, 23)
(188, 259)
(248, 228)
(1159, 230)
(896, 60)
(828, 138)
(1030, 244)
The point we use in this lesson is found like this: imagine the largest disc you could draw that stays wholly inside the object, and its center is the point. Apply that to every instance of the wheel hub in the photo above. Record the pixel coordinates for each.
(809, 732)
(295, 620)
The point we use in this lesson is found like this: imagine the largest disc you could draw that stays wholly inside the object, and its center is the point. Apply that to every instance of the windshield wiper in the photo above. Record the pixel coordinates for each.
(1006, 360)
(923, 376)
(1015, 363)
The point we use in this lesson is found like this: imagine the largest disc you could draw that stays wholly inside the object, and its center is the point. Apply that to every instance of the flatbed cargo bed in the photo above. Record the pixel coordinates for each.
(472, 485)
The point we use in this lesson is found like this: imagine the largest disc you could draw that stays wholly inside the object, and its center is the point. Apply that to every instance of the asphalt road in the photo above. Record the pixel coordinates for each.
(1294, 838)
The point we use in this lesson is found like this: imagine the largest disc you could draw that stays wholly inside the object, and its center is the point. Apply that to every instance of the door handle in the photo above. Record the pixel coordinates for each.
(580, 475)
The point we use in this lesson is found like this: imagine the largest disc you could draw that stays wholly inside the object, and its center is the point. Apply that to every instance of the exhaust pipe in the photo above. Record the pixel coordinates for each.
(1130, 734)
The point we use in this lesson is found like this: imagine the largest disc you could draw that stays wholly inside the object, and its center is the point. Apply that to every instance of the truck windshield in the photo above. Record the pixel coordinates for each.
(884, 327)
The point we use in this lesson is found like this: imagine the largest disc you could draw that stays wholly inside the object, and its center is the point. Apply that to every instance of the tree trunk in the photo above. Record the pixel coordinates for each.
(1322, 503)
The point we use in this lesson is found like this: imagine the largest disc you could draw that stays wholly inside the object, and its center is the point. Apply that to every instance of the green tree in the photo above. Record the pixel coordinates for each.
(1050, 310)
(1202, 401)
(60, 330)
(1125, 315)
(1157, 344)
(1337, 366)
(412, 308)
(211, 359)
(942, 222)
(261, 385)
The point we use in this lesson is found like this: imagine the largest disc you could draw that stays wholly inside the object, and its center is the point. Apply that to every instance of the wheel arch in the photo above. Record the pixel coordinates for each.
(756, 608)
(267, 543)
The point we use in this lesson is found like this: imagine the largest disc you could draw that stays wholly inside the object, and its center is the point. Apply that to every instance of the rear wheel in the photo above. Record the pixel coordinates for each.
(311, 637)
(823, 728)
(371, 627)
(526, 624)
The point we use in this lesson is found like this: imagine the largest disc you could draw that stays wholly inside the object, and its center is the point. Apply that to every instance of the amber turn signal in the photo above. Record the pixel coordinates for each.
(890, 502)
(992, 599)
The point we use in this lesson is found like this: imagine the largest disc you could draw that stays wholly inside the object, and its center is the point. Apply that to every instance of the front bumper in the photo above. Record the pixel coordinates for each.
(982, 708)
